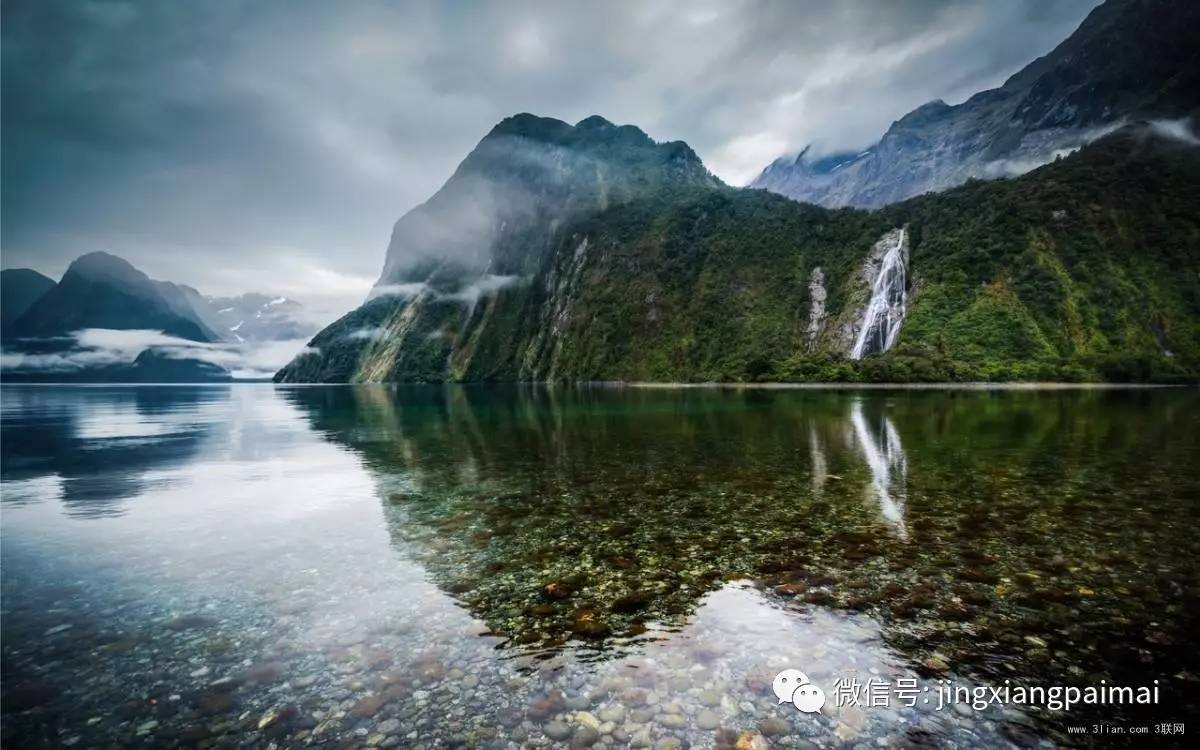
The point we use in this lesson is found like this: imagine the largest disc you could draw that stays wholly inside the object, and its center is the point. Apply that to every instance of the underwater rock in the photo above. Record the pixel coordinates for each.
(558, 590)
(708, 719)
(589, 625)
(632, 602)
(430, 669)
(820, 598)
(549, 704)
(190, 622)
(369, 706)
(268, 671)
(936, 664)
(791, 589)
(774, 726)
(557, 730)
(214, 702)
(977, 575)
(584, 737)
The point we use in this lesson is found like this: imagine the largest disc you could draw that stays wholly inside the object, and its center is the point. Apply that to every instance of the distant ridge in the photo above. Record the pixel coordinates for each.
(101, 290)
(1129, 60)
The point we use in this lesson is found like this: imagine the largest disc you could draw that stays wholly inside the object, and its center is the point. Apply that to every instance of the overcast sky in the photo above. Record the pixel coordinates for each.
(269, 146)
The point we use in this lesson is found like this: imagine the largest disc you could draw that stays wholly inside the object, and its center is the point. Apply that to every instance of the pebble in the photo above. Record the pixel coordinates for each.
(750, 741)
(588, 720)
(614, 713)
(557, 730)
(774, 726)
(584, 737)
(671, 721)
(711, 698)
(367, 707)
(708, 719)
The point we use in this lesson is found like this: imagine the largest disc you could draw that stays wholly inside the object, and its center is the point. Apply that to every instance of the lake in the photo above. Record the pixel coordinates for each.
(342, 566)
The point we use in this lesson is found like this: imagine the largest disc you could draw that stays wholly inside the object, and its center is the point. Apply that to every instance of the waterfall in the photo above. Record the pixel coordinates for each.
(885, 311)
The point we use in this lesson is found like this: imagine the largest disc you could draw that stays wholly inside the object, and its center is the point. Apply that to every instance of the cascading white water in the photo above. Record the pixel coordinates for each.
(889, 299)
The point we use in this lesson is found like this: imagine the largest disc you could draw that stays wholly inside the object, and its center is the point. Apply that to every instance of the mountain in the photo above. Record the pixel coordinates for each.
(258, 317)
(106, 321)
(100, 290)
(19, 289)
(1129, 60)
(462, 263)
(1084, 269)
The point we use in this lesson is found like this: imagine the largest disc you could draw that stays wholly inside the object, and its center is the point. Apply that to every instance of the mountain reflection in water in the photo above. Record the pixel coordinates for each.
(587, 515)
(603, 540)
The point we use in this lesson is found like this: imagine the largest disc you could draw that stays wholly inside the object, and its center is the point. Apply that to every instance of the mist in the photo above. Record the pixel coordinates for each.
(97, 347)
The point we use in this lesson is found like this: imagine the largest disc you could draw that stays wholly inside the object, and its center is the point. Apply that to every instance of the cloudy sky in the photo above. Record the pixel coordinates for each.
(269, 146)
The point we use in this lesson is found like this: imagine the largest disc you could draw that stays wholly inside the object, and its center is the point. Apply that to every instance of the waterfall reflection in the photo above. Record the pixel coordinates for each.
(820, 465)
(884, 454)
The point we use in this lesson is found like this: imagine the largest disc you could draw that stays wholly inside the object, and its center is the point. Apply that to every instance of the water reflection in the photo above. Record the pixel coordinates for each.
(885, 456)
(322, 562)
(587, 519)
(97, 446)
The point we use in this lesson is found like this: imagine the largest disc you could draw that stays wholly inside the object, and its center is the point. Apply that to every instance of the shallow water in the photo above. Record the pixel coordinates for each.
(425, 567)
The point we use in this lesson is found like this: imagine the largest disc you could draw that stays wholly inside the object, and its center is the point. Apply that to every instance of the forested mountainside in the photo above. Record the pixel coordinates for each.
(1085, 269)
(1129, 60)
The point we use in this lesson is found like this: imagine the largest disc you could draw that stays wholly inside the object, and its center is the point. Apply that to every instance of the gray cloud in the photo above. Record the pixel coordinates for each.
(270, 146)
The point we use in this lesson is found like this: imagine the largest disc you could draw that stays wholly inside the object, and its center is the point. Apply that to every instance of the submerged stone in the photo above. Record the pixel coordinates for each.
(589, 625)
(633, 602)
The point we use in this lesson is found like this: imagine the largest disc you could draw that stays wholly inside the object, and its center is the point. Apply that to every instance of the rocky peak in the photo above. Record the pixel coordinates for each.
(1128, 60)
(106, 268)
(925, 114)
(524, 179)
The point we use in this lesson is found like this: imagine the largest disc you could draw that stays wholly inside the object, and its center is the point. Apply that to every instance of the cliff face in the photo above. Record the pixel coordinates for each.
(499, 212)
(1129, 60)
(1084, 269)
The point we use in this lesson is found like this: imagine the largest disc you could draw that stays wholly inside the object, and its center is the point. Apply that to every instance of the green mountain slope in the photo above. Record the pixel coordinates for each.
(1086, 269)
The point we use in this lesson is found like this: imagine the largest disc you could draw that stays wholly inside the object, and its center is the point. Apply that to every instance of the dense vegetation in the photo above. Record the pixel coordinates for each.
(1085, 269)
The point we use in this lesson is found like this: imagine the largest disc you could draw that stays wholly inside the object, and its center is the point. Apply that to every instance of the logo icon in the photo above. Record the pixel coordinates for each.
(793, 686)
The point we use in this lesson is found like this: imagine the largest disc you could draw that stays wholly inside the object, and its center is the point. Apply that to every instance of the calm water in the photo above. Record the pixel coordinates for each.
(431, 567)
